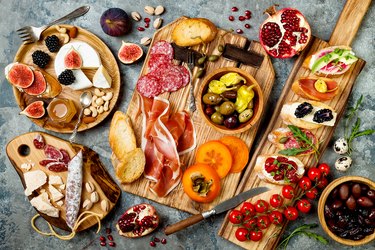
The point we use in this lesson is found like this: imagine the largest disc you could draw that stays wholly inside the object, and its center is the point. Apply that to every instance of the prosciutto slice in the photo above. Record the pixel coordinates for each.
(165, 136)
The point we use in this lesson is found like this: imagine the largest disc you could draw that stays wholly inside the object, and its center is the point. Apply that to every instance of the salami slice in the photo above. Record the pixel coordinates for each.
(185, 76)
(52, 153)
(170, 77)
(39, 141)
(45, 162)
(156, 60)
(66, 157)
(149, 86)
(57, 166)
(163, 47)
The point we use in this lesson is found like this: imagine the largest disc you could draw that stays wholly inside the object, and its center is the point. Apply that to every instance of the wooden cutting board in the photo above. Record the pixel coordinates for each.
(343, 34)
(22, 150)
(264, 75)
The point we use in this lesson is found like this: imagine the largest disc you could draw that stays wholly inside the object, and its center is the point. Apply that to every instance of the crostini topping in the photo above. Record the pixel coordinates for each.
(281, 168)
(303, 109)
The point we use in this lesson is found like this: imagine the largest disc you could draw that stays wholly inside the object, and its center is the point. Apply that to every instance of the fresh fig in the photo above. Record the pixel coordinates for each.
(20, 75)
(39, 85)
(115, 22)
(72, 59)
(129, 53)
(34, 110)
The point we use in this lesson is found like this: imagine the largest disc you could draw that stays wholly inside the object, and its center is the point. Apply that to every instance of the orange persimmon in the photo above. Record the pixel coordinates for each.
(201, 183)
(216, 155)
(239, 152)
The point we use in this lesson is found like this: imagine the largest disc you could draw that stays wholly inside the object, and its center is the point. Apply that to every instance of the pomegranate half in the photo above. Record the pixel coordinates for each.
(284, 33)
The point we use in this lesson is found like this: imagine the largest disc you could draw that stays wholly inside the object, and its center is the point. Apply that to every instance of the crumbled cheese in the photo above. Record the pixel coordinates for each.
(55, 180)
(27, 166)
(55, 194)
(60, 203)
(43, 205)
(34, 180)
(62, 187)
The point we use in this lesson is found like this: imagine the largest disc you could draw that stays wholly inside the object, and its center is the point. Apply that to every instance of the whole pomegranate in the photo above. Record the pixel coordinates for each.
(284, 33)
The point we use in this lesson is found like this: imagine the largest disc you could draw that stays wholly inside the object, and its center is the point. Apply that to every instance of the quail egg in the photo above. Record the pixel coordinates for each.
(343, 163)
(341, 146)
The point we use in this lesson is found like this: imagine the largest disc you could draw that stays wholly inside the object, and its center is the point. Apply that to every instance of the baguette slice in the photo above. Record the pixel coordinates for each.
(193, 31)
(304, 87)
(131, 167)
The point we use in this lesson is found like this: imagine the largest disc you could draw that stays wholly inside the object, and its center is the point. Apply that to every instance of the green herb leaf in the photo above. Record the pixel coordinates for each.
(316, 236)
(364, 132)
(302, 230)
(292, 151)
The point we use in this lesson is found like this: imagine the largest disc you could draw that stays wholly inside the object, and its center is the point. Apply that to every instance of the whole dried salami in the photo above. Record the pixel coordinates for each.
(52, 153)
(170, 77)
(57, 166)
(163, 47)
(149, 86)
(39, 141)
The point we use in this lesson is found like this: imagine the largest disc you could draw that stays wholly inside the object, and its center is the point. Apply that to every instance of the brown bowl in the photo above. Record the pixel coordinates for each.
(258, 100)
(322, 202)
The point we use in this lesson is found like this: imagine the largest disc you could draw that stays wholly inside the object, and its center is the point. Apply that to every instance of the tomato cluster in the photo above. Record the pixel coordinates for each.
(252, 218)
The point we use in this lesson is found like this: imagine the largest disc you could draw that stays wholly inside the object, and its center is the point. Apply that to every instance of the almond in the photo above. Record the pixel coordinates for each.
(73, 32)
(87, 204)
(145, 41)
(158, 22)
(149, 10)
(94, 197)
(104, 204)
(159, 10)
(136, 16)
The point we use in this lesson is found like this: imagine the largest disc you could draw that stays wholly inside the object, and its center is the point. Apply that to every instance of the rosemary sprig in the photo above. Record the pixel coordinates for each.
(303, 230)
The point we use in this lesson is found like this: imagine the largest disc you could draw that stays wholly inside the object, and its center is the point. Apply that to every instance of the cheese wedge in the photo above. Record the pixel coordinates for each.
(34, 180)
(43, 205)
(55, 194)
(102, 79)
(55, 180)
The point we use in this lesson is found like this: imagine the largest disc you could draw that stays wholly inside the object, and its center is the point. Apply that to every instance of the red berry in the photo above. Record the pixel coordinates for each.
(140, 29)
(147, 20)
(153, 244)
(147, 25)
(231, 18)
(241, 18)
(102, 238)
(247, 13)
(247, 26)
(110, 237)
(239, 31)
(108, 230)
(112, 244)
(234, 9)
(102, 243)
(314, 174)
(163, 241)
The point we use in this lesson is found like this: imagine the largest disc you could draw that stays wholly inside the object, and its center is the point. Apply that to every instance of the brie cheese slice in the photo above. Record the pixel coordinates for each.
(102, 79)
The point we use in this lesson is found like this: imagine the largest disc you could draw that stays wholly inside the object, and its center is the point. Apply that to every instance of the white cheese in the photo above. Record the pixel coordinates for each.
(34, 180)
(55, 180)
(27, 166)
(291, 108)
(62, 187)
(43, 205)
(81, 81)
(102, 79)
(60, 203)
(55, 194)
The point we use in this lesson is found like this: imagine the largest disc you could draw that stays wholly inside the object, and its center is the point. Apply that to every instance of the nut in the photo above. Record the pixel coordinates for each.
(149, 10)
(88, 119)
(65, 37)
(106, 106)
(136, 16)
(60, 29)
(104, 204)
(159, 10)
(90, 187)
(108, 96)
(99, 101)
(93, 103)
(94, 197)
(87, 204)
(98, 93)
(94, 112)
(100, 109)
(87, 111)
(145, 41)
(158, 22)
(73, 32)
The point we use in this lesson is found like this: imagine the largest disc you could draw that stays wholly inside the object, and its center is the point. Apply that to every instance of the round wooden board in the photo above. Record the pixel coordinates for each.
(108, 60)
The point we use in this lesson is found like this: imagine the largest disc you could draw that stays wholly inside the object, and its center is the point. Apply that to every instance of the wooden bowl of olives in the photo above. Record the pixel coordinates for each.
(346, 210)
(230, 100)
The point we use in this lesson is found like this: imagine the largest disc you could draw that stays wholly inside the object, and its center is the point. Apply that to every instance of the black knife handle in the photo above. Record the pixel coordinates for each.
(170, 229)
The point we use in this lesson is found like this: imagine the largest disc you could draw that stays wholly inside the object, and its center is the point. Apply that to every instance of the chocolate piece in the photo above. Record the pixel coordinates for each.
(243, 56)
(181, 54)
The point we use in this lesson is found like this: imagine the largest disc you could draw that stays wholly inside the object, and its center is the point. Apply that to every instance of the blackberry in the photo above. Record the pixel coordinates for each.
(303, 109)
(323, 115)
(40, 58)
(52, 43)
(66, 77)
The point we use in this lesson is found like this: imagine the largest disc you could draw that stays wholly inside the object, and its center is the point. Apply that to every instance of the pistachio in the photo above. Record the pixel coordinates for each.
(159, 10)
(158, 22)
(149, 10)
(89, 187)
(202, 60)
(106, 106)
(94, 197)
(213, 58)
(282, 140)
(145, 41)
(87, 204)
(136, 16)
(104, 204)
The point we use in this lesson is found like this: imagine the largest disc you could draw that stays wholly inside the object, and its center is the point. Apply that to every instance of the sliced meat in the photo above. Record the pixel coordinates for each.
(57, 166)
(149, 86)
(170, 77)
(52, 153)
(185, 76)
(156, 60)
(163, 47)
(45, 162)
(39, 141)
(66, 157)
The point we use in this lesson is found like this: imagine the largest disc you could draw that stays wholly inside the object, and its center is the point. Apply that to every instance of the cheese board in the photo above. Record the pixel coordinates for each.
(343, 34)
(27, 160)
(264, 75)
(89, 47)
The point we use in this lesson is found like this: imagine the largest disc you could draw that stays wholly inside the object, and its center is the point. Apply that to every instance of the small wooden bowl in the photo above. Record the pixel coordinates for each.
(258, 99)
(322, 202)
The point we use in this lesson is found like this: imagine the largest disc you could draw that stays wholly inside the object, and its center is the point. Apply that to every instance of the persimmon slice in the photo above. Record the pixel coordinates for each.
(216, 155)
(239, 152)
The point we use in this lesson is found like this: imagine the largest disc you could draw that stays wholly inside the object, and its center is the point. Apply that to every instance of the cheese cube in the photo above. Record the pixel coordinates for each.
(34, 180)
(55, 194)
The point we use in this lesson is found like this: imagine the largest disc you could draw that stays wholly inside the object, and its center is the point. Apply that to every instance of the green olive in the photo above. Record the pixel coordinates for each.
(213, 58)
(217, 108)
(212, 99)
(217, 118)
(227, 108)
(245, 115)
(251, 104)
(202, 60)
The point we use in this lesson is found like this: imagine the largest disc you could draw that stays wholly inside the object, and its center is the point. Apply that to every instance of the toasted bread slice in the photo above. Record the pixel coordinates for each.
(121, 135)
(131, 167)
(193, 31)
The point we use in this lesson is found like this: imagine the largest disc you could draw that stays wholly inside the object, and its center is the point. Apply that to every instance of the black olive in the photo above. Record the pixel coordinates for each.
(303, 109)
(323, 115)
(231, 122)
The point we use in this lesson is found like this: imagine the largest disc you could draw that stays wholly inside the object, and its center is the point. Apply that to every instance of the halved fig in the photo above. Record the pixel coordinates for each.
(129, 53)
(20, 75)
(39, 85)
(138, 221)
(72, 59)
(317, 89)
(34, 110)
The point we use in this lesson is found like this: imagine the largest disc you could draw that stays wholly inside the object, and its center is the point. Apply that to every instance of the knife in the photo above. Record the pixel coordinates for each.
(222, 207)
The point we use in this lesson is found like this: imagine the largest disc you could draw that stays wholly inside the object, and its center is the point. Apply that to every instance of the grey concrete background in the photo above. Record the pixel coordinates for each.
(16, 211)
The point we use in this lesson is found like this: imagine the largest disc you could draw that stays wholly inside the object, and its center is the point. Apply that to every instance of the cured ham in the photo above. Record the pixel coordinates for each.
(165, 136)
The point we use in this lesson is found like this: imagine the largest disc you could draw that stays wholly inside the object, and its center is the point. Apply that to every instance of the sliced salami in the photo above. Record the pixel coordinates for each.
(163, 47)
(149, 86)
(57, 166)
(45, 162)
(156, 60)
(66, 157)
(170, 77)
(39, 141)
(52, 153)
(185, 76)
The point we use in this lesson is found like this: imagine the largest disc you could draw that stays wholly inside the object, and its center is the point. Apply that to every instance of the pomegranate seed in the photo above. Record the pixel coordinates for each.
(247, 17)
(234, 9)
(163, 241)
(247, 26)
(231, 18)
(103, 243)
(156, 239)
(147, 25)
(108, 230)
(239, 31)
(153, 244)
(247, 13)
(147, 20)
(110, 237)
(112, 244)
(141, 29)
(102, 238)
(241, 18)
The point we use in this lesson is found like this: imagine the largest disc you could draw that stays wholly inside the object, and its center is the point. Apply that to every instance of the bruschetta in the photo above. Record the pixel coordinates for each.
(316, 88)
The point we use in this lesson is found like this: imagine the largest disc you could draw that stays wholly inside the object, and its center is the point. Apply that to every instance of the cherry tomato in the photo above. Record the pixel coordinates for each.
(261, 206)
(291, 213)
(249, 222)
(304, 205)
(314, 174)
(276, 200)
(248, 209)
(322, 183)
(304, 183)
(256, 235)
(312, 193)
(242, 234)
(288, 191)
(235, 216)
(324, 169)
(263, 222)
(276, 217)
